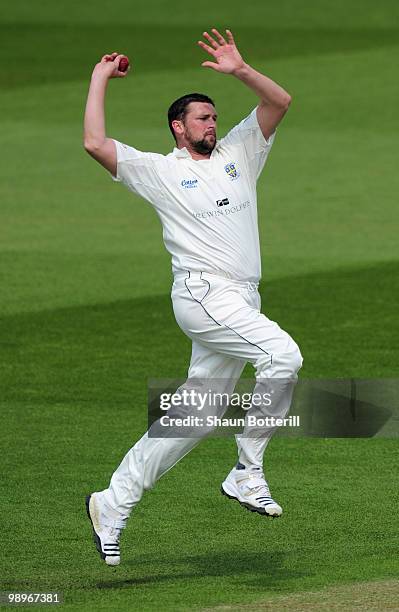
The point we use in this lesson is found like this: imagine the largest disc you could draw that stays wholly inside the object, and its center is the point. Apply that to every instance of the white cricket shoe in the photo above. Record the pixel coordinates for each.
(250, 489)
(106, 530)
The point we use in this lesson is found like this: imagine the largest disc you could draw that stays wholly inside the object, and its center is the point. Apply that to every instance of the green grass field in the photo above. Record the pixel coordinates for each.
(86, 316)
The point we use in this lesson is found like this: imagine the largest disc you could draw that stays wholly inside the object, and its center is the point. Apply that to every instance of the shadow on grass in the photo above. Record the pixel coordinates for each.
(265, 570)
(345, 322)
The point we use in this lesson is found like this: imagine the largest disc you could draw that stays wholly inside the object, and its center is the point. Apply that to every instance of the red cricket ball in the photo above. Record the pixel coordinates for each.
(123, 64)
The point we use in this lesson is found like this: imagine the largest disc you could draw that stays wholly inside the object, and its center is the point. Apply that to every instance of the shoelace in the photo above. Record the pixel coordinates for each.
(115, 529)
(119, 523)
(258, 484)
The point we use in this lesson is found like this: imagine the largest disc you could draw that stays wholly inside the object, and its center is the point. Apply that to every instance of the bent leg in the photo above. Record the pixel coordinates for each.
(220, 316)
(151, 457)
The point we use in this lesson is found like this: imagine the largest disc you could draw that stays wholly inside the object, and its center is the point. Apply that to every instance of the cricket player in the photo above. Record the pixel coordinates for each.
(204, 192)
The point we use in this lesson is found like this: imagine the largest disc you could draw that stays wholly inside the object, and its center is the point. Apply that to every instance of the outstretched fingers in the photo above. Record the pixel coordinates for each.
(219, 37)
(220, 41)
(211, 40)
(230, 38)
(206, 48)
(222, 48)
(213, 65)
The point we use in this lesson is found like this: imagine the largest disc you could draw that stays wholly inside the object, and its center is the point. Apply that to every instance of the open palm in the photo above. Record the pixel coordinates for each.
(226, 54)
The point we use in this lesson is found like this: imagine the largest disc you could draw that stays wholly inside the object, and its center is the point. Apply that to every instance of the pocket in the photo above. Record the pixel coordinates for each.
(198, 288)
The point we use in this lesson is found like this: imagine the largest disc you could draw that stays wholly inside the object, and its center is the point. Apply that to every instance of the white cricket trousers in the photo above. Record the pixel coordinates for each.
(223, 319)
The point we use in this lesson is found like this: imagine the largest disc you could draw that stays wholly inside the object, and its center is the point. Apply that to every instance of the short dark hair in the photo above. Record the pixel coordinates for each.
(178, 109)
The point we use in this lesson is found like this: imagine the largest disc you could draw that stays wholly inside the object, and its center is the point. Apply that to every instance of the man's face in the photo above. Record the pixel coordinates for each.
(200, 126)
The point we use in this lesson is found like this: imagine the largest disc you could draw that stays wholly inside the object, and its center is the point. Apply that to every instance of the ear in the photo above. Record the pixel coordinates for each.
(178, 126)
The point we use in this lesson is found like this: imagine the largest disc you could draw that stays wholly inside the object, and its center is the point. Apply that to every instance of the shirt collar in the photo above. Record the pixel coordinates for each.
(184, 154)
(180, 153)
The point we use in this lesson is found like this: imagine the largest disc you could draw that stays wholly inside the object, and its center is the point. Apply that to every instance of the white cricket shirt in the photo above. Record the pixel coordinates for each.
(208, 208)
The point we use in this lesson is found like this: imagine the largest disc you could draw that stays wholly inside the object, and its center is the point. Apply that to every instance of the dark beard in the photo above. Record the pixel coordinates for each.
(203, 147)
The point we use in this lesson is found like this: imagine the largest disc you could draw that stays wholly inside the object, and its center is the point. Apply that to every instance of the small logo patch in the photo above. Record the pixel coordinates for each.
(232, 171)
(189, 183)
(223, 202)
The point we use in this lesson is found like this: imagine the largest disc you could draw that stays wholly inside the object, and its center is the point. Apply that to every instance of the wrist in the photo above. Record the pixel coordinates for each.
(99, 76)
(241, 71)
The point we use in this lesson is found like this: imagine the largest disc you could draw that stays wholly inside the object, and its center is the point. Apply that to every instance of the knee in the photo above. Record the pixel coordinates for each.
(284, 364)
(295, 360)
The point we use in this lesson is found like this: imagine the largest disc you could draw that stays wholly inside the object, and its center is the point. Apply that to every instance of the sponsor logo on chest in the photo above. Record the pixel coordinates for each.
(189, 183)
(223, 202)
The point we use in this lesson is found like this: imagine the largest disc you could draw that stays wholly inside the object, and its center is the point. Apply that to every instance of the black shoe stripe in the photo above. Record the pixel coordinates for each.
(260, 510)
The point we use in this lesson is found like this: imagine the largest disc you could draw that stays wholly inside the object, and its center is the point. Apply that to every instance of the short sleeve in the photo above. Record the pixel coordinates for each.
(249, 135)
(138, 171)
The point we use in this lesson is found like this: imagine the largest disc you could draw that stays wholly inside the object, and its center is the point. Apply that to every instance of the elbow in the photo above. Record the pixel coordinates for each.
(285, 102)
(280, 104)
(89, 146)
(283, 105)
(92, 146)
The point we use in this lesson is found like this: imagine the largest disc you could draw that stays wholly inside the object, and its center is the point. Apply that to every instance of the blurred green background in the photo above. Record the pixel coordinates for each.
(86, 317)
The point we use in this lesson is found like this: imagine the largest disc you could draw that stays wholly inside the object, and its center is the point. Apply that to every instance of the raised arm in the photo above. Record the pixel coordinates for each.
(273, 99)
(96, 142)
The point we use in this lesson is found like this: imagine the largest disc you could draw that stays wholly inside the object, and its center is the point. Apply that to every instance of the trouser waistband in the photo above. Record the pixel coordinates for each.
(195, 274)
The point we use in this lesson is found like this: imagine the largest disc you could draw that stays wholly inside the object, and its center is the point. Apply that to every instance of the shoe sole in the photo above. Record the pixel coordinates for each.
(96, 538)
(260, 511)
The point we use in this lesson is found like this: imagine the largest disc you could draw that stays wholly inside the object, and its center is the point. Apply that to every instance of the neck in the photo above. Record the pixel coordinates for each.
(194, 154)
(198, 156)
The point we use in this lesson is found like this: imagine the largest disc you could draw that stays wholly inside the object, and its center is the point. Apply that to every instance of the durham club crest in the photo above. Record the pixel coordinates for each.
(232, 171)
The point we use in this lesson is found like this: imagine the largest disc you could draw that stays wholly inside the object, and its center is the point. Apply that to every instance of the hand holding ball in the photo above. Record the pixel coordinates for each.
(118, 65)
(123, 64)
